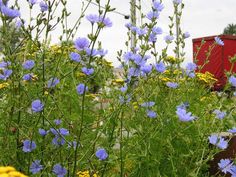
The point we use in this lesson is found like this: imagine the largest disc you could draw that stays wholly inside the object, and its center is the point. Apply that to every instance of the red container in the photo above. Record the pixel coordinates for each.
(219, 58)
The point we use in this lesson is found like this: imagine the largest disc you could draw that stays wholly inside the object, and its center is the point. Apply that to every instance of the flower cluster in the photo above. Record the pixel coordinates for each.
(218, 141)
(9, 171)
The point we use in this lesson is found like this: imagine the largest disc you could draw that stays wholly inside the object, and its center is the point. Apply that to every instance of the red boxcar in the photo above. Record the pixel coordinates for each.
(219, 57)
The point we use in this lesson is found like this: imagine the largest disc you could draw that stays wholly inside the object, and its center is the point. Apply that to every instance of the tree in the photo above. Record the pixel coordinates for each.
(230, 29)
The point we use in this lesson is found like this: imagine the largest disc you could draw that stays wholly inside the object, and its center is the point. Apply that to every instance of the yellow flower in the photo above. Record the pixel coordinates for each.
(6, 169)
(4, 85)
(86, 174)
(118, 81)
(9, 171)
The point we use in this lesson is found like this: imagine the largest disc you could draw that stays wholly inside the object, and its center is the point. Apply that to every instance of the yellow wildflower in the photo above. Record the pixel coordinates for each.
(4, 85)
(86, 174)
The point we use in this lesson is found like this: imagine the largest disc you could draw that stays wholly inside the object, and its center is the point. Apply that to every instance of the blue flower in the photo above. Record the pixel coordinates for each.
(186, 35)
(225, 165)
(160, 67)
(91, 52)
(58, 141)
(168, 39)
(158, 6)
(233, 130)
(53, 82)
(36, 167)
(27, 77)
(153, 15)
(81, 43)
(75, 57)
(218, 141)
(92, 18)
(19, 23)
(124, 88)
(101, 154)
(219, 114)
(57, 121)
(157, 30)
(177, 2)
(102, 52)
(43, 6)
(37, 106)
(184, 105)
(184, 116)
(232, 81)
(59, 170)
(87, 71)
(191, 66)
(81, 88)
(105, 21)
(32, 2)
(146, 68)
(11, 13)
(219, 41)
(6, 74)
(4, 64)
(28, 64)
(72, 144)
(148, 104)
(43, 132)
(28, 146)
(172, 84)
(151, 114)
(60, 131)
(233, 170)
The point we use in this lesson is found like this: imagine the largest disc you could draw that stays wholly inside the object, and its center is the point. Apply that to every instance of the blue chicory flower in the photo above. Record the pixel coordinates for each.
(183, 115)
(172, 84)
(160, 67)
(43, 132)
(219, 41)
(6, 74)
(11, 13)
(151, 114)
(232, 81)
(4, 64)
(186, 35)
(81, 88)
(28, 64)
(218, 141)
(57, 121)
(148, 104)
(157, 30)
(81, 43)
(157, 5)
(146, 68)
(101, 154)
(59, 170)
(124, 88)
(36, 167)
(87, 71)
(168, 39)
(37, 106)
(233, 130)
(177, 2)
(105, 21)
(153, 15)
(219, 114)
(32, 2)
(43, 6)
(53, 82)
(28, 146)
(75, 57)
(92, 18)
(225, 165)
(27, 77)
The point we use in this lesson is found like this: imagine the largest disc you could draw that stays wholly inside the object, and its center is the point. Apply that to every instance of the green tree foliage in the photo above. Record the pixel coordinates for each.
(230, 29)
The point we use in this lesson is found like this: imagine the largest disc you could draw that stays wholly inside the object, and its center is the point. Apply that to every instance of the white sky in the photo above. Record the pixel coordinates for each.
(200, 17)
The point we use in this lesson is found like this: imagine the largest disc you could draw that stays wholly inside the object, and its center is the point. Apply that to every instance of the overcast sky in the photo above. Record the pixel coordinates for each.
(200, 18)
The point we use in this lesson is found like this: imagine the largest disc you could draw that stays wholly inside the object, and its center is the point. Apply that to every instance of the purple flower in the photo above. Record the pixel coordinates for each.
(19, 23)
(58, 141)
(225, 165)
(37, 106)
(101, 154)
(151, 114)
(232, 81)
(53, 82)
(32, 2)
(184, 105)
(59, 170)
(177, 2)
(218, 141)
(36, 167)
(6, 74)
(233, 130)
(81, 88)
(106, 21)
(91, 52)
(233, 170)
(4, 64)
(87, 71)
(43, 6)
(184, 116)
(72, 144)
(92, 18)
(153, 15)
(219, 114)
(43, 132)
(219, 41)
(168, 38)
(128, 25)
(157, 30)
(124, 88)
(75, 57)
(11, 13)
(148, 104)
(157, 5)
(27, 77)
(81, 43)
(28, 146)
(102, 52)
(146, 68)
(60, 131)
(172, 84)
(28, 64)
(57, 121)
(186, 35)
(160, 67)
(191, 66)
